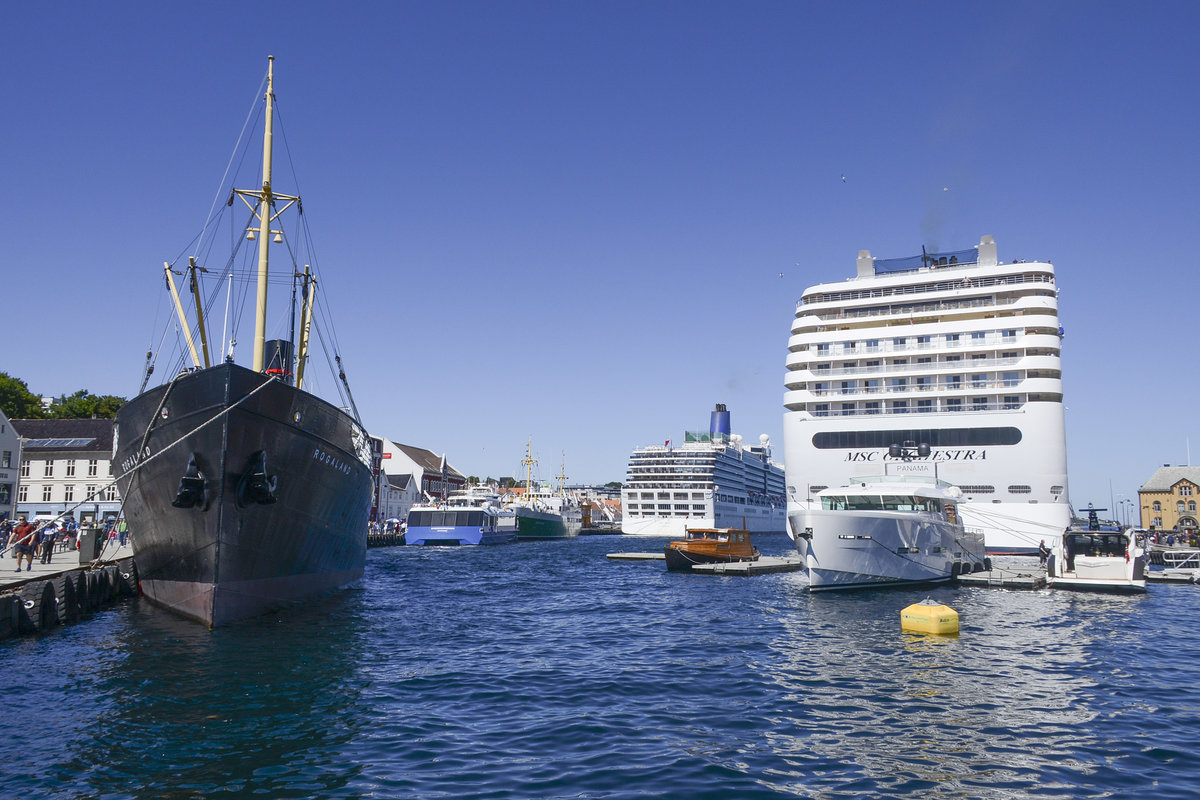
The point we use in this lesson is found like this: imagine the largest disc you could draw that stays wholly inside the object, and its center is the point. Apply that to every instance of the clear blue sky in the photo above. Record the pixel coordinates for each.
(568, 220)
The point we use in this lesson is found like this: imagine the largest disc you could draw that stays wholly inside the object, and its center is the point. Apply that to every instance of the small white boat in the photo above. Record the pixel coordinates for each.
(1094, 560)
(895, 529)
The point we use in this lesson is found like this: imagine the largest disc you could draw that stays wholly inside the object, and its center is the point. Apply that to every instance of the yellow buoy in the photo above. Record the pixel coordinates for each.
(929, 617)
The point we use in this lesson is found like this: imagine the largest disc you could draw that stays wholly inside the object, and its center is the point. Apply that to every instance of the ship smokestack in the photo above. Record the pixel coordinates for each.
(719, 423)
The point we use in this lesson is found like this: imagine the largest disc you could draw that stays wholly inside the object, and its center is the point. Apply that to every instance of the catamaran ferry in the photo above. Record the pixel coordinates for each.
(712, 481)
(955, 350)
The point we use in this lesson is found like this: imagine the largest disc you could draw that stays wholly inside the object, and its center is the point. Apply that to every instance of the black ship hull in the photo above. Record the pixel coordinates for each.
(243, 494)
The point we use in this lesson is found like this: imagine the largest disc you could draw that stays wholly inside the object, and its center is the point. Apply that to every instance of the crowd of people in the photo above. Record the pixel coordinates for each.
(1181, 538)
(26, 540)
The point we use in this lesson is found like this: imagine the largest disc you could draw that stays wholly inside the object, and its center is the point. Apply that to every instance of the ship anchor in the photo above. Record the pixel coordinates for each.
(255, 485)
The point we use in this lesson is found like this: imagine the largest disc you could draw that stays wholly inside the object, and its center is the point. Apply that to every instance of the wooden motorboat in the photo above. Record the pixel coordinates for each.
(709, 546)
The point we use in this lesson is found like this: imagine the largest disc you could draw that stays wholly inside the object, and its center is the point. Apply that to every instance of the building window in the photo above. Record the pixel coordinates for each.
(1191, 505)
(900, 407)
(69, 493)
(6, 461)
(872, 406)
(23, 494)
(954, 404)
(91, 493)
(1185, 491)
(979, 380)
(924, 406)
(847, 387)
(978, 336)
(25, 469)
(70, 468)
(1179, 507)
(1157, 506)
(110, 494)
(5, 494)
(92, 465)
(979, 403)
(952, 339)
(821, 409)
(953, 381)
(1011, 402)
(48, 469)
(48, 492)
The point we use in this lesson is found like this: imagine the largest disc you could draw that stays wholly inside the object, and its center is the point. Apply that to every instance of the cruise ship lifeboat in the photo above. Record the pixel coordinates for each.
(709, 546)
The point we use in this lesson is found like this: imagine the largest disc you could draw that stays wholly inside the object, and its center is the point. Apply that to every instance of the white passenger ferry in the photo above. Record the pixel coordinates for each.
(956, 350)
(713, 480)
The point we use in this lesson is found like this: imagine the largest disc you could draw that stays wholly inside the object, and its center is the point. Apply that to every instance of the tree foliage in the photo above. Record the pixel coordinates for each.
(84, 405)
(18, 402)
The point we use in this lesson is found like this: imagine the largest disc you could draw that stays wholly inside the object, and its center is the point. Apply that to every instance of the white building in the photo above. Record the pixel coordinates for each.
(66, 467)
(407, 474)
(10, 461)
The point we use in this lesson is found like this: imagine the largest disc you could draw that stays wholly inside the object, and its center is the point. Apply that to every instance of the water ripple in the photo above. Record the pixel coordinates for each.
(543, 670)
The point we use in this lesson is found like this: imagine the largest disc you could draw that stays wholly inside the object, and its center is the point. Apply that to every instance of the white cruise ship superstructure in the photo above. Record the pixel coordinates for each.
(712, 481)
(957, 350)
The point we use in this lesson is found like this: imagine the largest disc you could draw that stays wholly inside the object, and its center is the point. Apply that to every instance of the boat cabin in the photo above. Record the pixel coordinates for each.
(1093, 544)
(887, 502)
(718, 535)
(461, 518)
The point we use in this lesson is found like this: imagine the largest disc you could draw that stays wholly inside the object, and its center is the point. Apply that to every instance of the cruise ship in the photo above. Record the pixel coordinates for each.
(712, 480)
(956, 350)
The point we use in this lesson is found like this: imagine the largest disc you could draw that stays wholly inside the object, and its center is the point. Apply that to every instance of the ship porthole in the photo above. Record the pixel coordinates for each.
(297, 416)
(163, 413)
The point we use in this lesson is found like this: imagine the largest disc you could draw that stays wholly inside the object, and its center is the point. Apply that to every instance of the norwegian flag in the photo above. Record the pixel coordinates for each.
(667, 443)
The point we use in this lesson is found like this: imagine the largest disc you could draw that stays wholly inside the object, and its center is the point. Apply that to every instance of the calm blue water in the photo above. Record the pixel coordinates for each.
(543, 670)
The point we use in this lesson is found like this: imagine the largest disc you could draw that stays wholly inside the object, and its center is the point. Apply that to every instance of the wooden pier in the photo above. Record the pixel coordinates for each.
(659, 556)
(1001, 578)
(1172, 575)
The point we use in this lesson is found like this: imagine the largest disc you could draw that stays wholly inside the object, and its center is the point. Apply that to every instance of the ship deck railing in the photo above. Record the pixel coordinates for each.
(923, 288)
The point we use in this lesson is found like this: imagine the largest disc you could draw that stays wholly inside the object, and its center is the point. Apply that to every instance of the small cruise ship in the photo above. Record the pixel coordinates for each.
(712, 480)
(956, 350)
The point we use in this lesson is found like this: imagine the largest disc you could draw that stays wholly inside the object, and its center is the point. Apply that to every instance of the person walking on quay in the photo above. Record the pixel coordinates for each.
(123, 531)
(49, 536)
(22, 543)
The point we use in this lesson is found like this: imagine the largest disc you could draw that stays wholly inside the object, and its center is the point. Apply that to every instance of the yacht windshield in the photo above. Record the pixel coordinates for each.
(873, 502)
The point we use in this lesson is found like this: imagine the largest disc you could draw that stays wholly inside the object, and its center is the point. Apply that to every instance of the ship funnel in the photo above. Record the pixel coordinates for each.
(279, 359)
(719, 422)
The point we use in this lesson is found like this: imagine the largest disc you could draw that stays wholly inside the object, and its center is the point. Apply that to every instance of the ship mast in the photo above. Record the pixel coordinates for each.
(262, 203)
(529, 461)
(264, 224)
